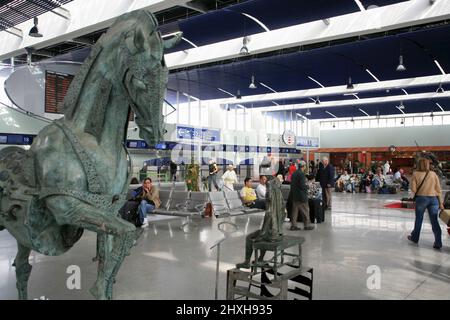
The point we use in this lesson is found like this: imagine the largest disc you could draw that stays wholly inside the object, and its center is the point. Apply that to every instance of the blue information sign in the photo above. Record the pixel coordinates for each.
(191, 133)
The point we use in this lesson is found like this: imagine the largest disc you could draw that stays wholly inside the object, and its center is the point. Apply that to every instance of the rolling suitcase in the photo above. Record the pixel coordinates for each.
(316, 212)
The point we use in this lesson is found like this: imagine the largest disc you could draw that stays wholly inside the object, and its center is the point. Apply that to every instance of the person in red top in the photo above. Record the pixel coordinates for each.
(292, 168)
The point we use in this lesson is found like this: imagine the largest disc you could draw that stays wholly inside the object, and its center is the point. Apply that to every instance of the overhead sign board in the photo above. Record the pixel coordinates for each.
(199, 134)
(307, 142)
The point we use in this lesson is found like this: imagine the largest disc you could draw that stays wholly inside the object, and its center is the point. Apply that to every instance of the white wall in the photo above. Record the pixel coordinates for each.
(384, 137)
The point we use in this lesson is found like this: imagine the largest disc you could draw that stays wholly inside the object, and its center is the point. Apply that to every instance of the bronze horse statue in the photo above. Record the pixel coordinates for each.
(76, 174)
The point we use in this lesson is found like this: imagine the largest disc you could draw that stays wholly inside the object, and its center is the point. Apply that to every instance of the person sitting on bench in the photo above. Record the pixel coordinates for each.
(249, 198)
(148, 197)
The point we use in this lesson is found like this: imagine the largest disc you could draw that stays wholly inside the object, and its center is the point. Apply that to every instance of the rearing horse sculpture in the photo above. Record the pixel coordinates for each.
(77, 172)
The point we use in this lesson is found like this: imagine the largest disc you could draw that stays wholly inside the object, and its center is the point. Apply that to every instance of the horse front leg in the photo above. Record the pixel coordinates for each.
(112, 250)
(23, 270)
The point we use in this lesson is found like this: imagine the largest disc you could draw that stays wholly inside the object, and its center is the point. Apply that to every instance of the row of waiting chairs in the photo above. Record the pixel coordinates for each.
(186, 203)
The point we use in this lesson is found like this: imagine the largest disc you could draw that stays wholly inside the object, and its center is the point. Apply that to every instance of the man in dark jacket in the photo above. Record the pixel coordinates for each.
(325, 175)
(298, 195)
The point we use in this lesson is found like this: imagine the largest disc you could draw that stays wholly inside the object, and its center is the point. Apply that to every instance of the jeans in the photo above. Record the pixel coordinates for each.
(432, 204)
(212, 179)
(143, 209)
(376, 184)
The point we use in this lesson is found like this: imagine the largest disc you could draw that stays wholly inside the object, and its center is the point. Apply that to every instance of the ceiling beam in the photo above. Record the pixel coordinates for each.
(340, 90)
(404, 14)
(359, 102)
(196, 6)
(86, 17)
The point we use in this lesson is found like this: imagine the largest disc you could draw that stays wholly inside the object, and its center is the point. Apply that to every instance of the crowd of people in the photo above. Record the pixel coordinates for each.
(315, 184)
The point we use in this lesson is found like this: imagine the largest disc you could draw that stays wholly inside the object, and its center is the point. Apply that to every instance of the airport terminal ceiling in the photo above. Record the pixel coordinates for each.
(368, 58)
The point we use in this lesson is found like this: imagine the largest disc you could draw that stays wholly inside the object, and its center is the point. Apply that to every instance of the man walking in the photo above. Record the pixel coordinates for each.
(212, 178)
(325, 175)
(299, 198)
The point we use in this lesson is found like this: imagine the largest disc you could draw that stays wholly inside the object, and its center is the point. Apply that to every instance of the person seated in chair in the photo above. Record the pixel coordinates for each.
(261, 188)
(378, 180)
(148, 196)
(249, 198)
(400, 178)
(342, 182)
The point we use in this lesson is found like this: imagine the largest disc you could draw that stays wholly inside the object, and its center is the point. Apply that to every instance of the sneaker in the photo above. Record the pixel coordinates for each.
(308, 228)
(293, 228)
(287, 219)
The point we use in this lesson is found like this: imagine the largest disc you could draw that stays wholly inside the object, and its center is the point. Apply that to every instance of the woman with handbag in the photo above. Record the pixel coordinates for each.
(426, 187)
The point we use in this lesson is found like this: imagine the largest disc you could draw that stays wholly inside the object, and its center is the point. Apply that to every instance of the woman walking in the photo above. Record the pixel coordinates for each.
(427, 190)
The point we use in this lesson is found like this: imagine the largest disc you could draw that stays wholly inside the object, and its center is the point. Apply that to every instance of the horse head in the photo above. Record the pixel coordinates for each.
(141, 68)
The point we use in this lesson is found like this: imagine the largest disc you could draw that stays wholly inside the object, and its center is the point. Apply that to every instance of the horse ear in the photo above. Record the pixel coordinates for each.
(174, 41)
(135, 41)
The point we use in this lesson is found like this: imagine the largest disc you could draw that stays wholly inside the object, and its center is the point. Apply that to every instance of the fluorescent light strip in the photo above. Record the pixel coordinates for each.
(405, 91)
(277, 104)
(312, 99)
(360, 6)
(240, 106)
(301, 116)
(190, 96)
(266, 86)
(364, 112)
(440, 107)
(439, 66)
(190, 42)
(257, 21)
(400, 110)
(330, 114)
(372, 75)
(225, 91)
(171, 34)
(312, 79)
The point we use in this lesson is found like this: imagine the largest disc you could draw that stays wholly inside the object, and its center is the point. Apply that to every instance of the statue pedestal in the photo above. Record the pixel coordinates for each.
(284, 272)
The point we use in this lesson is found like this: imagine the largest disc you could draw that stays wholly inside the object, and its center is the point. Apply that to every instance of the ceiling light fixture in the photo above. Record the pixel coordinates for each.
(401, 67)
(308, 112)
(34, 32)
(432, 115)
(440, 107)
(364, 112)
(252, 84)
(402, 121)
(317, 101)
(440, 89)
(244, 50)
(349, 84)
(401, 106)
(238, 95)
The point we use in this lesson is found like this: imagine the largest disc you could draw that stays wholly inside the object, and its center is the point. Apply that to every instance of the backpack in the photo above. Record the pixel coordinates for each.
(129, 212)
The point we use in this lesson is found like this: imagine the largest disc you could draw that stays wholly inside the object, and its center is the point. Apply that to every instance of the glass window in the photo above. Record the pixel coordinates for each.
(183, 113)
(446, 119)
(428, 121)
(437, 120)
(418, 121)
(391, 122)
(409, 121)
(365, 123)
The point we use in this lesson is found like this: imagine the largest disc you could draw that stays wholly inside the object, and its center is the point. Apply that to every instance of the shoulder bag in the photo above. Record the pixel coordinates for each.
(417, 191)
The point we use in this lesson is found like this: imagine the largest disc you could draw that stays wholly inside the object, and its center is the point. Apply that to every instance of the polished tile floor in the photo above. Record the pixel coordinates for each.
(358, 236)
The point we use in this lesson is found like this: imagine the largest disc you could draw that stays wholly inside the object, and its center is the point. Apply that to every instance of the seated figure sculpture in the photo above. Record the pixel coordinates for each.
(272, 228)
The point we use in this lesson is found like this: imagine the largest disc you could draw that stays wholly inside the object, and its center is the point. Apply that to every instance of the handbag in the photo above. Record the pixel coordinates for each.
(444, 215)
(417, 191)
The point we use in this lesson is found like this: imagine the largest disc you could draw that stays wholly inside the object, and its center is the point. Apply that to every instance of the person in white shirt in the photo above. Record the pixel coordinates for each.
(261, 188)
(386, 168)
(229, 178)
